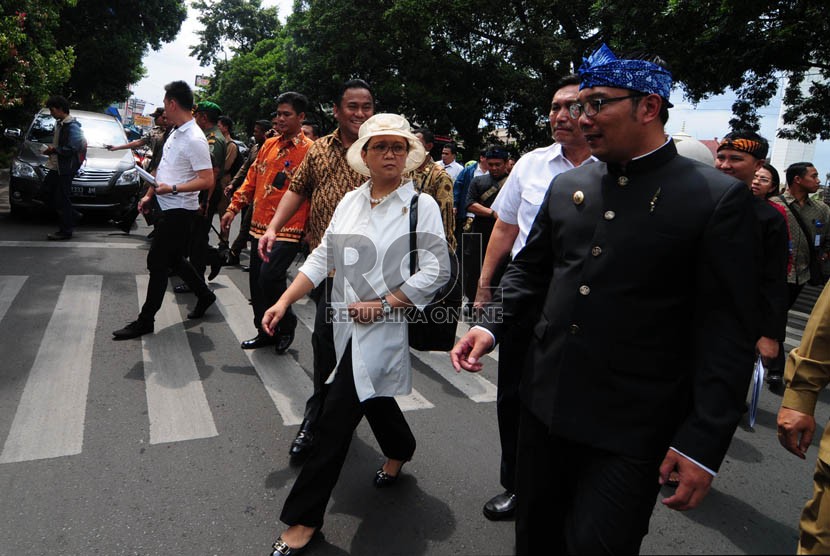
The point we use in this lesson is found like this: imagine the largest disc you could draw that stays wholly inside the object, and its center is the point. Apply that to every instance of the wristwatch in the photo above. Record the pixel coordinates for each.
(175, 189)
(387, 309)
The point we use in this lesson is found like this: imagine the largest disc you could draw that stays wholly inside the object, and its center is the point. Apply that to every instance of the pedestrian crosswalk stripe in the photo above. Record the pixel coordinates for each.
(9, 288)
(76, 244)
(49, 421)
(176, 403)
(411, 402)
(473, 385)
(286, 382)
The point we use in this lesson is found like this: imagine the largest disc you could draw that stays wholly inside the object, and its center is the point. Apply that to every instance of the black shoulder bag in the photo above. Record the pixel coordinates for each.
(433, 329)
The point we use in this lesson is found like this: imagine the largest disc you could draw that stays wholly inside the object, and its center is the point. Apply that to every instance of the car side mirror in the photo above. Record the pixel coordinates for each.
(13, 133)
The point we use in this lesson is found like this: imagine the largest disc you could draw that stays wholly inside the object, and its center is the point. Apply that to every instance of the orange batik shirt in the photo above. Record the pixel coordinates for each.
(264, 188)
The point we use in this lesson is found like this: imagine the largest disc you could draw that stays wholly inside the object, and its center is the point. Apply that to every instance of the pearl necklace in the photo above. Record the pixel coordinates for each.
(382, 199)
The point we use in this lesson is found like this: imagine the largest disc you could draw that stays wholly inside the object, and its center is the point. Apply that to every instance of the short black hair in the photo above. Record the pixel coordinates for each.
(298, 101)
(750, 135)
(798, 169)
(59, 102)
(352, 84)
(315, 128)
(227, 122)
(264, 125)
(429, 137)
(180, 92)
(451, 146)
(566, 81)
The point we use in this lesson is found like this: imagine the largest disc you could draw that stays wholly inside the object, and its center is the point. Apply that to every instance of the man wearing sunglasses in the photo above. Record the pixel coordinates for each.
(263, 189)
(644, 266)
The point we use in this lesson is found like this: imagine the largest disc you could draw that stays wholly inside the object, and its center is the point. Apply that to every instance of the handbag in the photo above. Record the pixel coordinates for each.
(816, 272)
(433, 329)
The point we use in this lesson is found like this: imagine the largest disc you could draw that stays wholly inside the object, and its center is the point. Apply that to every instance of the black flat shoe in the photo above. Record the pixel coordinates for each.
(383, 479)
(279, 548)
(202, 306)
(501, 506)
(133, 330)
(302, 443)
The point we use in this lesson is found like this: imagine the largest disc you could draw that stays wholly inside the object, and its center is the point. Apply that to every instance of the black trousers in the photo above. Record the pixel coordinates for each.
(322, 344)
(575, 499)
(168, 251)
(58, 192)
(268, 281)
(512, 353)
(342, 412)
(244, 231)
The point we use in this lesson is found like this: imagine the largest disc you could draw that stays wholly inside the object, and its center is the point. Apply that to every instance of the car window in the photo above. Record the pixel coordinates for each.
(97, 132)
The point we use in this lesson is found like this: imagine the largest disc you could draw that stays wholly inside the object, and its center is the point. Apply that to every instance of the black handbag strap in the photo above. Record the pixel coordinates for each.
(413, 238)
(801, 224)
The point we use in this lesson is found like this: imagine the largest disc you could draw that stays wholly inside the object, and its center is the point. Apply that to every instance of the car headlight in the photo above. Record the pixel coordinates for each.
(128, 177)
(23, 170)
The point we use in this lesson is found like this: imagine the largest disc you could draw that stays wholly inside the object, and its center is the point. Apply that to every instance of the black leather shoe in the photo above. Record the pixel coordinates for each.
(774, 379)
(279, 548)
(260, 340)
(59, 236)
(215, 267)
(232, 259)
(133, 330)
(245, 268)
(283, 341)
(501, 506)
(301, 445)
(182, 288)
(383, 479)
(202, 306)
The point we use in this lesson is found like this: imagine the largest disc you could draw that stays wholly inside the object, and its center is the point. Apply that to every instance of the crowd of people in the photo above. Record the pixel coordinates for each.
(635, 290)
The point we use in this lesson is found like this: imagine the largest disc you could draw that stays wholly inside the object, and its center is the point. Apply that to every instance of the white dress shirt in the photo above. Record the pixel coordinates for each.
(521, 195)
(369, 247)
(453, 169)
(186, 151)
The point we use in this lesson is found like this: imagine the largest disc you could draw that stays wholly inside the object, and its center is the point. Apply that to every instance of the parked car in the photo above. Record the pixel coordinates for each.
(107, 182)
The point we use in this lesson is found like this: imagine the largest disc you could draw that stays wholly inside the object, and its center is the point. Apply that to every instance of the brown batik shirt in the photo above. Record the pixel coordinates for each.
(433, 180)
(323, 178)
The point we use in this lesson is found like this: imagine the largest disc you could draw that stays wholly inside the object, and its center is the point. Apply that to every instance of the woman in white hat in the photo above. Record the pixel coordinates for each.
(367, 242)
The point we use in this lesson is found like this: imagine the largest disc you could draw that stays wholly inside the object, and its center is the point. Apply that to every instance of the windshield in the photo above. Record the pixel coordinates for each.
(97, 132)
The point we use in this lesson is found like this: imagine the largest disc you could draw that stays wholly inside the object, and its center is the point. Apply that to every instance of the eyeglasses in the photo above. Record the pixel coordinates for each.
(593, 107)
(381, 149)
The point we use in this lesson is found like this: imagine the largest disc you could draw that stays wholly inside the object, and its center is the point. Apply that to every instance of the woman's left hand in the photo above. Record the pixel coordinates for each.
(365, 312)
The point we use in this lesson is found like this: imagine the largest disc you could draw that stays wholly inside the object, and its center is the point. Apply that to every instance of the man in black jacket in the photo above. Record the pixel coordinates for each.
(645, 264)
(65, 158)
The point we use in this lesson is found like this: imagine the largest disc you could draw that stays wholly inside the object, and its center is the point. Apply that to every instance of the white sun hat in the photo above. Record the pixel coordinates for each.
(386, 124)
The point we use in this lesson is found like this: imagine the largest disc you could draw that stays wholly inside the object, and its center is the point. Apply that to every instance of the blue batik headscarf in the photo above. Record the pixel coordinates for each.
(604, 69)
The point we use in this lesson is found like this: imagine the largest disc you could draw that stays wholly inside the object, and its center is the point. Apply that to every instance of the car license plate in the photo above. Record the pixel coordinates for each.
(82, 191)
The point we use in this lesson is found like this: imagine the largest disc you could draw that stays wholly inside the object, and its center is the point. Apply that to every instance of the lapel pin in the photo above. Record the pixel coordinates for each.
(622, 181)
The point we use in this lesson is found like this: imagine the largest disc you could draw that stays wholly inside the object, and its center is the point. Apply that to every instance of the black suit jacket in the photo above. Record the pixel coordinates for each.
(646, 337)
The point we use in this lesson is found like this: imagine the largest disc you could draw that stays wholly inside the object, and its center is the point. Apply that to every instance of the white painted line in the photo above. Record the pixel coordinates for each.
(473, 385)
(285, 381)
(412, 402)
(49, 421)
(75, 244)
(176, 403)
(10, 286)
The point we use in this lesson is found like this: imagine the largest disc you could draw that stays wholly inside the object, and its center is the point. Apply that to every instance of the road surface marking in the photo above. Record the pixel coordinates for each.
(49, 421)
(10, 286)
(473, 385)
(176, 403)
(285, 381)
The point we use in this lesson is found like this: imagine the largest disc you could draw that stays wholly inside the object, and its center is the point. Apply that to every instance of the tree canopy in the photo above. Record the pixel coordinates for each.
(452, 64)
(238, 25)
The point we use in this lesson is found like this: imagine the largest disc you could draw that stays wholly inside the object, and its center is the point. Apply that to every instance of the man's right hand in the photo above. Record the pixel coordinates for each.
(142, 203)
(226, 220)
(469, 350)
(795, 430)
(484, 295)
(266, 243)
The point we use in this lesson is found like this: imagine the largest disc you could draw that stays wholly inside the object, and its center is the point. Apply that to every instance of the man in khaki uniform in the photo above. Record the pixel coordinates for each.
(806, 374)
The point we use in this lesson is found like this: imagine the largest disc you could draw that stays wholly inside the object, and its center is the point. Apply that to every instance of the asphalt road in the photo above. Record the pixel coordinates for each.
(94, 462)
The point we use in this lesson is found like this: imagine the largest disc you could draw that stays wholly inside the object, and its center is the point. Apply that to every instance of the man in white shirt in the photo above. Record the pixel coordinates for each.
(452, 167)
(184, 170)
(516, 206)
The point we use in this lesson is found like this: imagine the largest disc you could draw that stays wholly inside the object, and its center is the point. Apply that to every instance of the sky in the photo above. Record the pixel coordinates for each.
(707, 120)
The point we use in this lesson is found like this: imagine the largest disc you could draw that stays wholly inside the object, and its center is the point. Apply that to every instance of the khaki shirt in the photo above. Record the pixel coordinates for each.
(808, 367)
